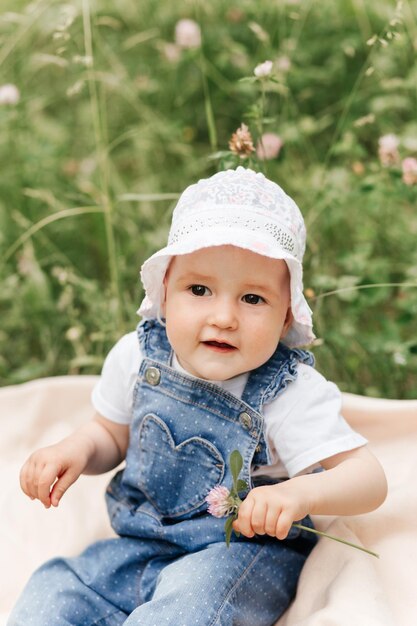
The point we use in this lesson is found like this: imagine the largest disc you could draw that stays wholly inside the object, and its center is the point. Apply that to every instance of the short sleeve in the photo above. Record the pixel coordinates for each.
(112, 396)
(305, 425)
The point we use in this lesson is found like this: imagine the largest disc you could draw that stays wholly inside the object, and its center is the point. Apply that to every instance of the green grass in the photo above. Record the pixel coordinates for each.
(108, 131)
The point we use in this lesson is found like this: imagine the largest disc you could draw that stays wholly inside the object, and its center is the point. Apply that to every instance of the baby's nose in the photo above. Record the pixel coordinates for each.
(224, 314)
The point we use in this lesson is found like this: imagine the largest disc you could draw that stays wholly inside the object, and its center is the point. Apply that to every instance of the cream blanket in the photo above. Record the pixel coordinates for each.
(339, 586)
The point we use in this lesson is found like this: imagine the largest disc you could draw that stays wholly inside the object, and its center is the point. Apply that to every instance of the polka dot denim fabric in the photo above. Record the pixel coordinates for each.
(170, 564)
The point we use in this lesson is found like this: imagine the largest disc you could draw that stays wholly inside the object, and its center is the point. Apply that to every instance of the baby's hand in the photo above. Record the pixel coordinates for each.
(272, 509)
(49, 472)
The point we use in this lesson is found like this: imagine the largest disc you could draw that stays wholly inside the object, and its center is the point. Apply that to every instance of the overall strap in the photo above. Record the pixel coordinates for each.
(154, 342)
(270, 379)
(267, 382)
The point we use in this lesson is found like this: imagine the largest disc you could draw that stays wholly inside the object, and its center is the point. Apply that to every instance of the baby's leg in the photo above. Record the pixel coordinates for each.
(55, 596)
(247, 584)
(101, 586)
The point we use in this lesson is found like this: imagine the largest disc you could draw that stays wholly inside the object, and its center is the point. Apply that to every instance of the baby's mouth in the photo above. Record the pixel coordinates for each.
(221, 346)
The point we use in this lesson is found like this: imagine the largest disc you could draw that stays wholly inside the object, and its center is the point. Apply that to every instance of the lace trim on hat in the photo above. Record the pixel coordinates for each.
(285, 240)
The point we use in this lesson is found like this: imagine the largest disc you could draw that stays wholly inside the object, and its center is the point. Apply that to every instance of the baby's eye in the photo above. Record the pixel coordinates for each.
(252, 298)
(199, 290)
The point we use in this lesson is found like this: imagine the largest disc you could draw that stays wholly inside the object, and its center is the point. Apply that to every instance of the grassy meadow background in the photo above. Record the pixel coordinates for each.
(114, 115)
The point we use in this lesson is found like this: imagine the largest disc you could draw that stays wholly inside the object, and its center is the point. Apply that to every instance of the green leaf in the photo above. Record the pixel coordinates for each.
(236, 463)
(228, 529)
(241, 485)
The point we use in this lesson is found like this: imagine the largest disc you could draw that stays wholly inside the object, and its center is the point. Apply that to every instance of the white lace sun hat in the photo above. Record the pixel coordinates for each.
(244, 209)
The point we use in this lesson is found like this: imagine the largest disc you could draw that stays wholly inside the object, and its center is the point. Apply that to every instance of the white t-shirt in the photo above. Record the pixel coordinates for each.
(303, 425)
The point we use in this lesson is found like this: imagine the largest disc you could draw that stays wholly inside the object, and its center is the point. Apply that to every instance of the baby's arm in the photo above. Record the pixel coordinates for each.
(354, 482)
(96, 447)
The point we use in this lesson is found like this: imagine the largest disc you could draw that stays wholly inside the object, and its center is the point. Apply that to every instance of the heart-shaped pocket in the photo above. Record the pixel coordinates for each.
(176, 477)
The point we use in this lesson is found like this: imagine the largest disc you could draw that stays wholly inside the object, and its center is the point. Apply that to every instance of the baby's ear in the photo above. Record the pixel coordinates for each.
(289, 318)
(163, 296)
(163, 301)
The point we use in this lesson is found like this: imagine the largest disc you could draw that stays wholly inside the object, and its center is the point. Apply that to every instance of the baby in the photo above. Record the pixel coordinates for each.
(214, 366)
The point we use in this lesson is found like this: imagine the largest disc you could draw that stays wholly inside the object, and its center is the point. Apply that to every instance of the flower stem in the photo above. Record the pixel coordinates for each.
(347, 543)
(102, 156)
(358, 287)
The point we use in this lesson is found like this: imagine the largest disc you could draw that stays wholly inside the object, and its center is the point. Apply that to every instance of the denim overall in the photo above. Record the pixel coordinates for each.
(170, 564)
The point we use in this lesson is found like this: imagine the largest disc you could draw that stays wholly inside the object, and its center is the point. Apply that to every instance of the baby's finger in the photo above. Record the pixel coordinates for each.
(283, 526)
(24, 481)
(61, 485)
(28, 481)
(46, 479)
(258, 517)
(271, 520)
(243, 522)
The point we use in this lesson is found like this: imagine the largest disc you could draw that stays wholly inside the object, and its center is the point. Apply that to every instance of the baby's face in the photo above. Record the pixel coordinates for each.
(226, 309)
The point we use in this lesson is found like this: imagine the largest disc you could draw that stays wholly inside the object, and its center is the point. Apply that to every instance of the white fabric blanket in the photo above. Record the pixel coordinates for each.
(339, 586)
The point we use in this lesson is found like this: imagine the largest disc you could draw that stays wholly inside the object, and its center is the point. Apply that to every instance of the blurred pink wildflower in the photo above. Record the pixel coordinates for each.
(241, 142)
(187, 34)
(283, 63)
(388, 150)
(172, 52)
(220, 502)
(409, 169)
(9, 94)
(269, 146)
(358, 168)
(263, 69)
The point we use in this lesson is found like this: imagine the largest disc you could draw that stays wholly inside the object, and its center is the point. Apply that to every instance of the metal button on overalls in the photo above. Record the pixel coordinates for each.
(246, 420)
(153, 376)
